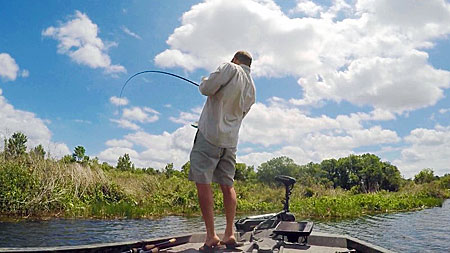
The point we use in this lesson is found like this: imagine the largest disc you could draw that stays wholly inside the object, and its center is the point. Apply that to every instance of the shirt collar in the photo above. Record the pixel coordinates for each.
(245, 67)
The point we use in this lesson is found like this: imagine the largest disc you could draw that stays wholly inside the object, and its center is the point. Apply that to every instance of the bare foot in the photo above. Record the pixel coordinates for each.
(228, 239)
(213, 241)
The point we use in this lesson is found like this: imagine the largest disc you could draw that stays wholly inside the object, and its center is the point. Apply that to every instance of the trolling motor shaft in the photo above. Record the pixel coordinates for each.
(289, 185)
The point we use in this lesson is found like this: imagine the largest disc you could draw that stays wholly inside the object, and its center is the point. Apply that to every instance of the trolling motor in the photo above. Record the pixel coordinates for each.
(275, 231)
(267, 221)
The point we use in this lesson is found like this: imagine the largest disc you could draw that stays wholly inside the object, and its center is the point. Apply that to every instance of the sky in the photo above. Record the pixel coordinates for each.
(333, 77)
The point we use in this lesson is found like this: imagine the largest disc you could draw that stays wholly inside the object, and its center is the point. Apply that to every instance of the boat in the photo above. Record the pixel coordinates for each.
(317, 242)
(276, 232)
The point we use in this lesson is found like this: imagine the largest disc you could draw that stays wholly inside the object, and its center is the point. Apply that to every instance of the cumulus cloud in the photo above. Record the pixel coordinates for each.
(291, 132)
(428, 148)
(367, 52)
(123, 123)
(157, 150)
(118, 101)
(283, 130)
(119, 143)
(8, 67)
(13, 120)
(131, 116)
(78, 38)
(187, 118)
(307, 7)
(143, 115)
(276, 125)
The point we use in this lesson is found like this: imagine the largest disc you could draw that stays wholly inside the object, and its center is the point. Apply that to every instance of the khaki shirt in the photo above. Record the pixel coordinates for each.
(231, 93)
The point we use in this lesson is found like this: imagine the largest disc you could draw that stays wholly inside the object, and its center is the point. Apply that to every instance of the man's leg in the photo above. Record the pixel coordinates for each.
(229, 201)
(206, 201)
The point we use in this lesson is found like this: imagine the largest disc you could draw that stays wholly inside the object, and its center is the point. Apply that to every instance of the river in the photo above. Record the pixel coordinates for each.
(421, 231)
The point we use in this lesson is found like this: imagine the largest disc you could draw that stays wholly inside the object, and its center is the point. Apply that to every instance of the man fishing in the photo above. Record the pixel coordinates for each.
(231, 93)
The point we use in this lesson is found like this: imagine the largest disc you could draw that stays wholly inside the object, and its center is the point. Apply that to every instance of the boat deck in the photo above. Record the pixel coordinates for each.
(317, 242)
(193, 247)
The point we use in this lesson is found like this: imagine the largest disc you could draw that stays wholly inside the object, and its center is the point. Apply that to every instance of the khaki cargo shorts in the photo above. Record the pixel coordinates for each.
(210, 163)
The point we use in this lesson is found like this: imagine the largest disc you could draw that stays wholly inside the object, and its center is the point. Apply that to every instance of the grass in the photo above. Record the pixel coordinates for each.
(46, 188)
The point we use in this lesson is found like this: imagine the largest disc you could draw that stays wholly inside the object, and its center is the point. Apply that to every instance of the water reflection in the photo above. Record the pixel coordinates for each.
(423, 231)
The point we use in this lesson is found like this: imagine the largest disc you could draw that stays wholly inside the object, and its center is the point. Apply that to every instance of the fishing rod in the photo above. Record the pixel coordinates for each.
(153, 71)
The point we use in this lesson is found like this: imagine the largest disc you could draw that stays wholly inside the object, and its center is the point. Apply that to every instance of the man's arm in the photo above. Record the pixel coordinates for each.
(210, 85)
(249, 101)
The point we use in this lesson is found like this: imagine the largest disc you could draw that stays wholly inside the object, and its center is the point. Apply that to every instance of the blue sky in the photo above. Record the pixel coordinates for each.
(333, 77)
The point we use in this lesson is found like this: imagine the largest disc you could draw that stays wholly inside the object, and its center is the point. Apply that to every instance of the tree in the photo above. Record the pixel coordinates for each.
(15, 145)
(392, 178)
(244, 172)
(169, 171)
(312, 173)
(277, 166)
(151, 171)
(124, 163)
(424, 176)
(38, 152)
(185, 169)
(79, 153)
(445, 181)
(67, 159)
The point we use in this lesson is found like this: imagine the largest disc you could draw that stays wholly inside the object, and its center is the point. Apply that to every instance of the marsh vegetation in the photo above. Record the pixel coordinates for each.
(34, 185)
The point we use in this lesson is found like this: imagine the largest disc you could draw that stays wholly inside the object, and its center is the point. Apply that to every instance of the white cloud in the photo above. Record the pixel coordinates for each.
(140, 114)
(187, 118)
(119, 143)
(111, 155)
(134, 114)
(123, 123)
(158, 150)
(367, 52)
(8, 67)
(397, 84)
(307, 7)
(292, 126)
(25, 73)
(118, 101)
(444, 110)
(132, 34)
(350, 51)
(82, 121)
(428, 148)
(78, 38)
(286, 131)
(13, 120)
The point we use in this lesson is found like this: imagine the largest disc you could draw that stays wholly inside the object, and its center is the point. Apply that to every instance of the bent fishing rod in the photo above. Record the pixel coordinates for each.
(153, 71)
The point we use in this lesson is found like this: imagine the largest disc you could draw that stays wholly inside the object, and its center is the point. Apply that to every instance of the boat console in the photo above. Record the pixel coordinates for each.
(273, 232)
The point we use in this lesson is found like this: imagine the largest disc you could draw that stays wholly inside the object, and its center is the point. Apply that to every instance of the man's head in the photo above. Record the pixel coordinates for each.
(242, 57)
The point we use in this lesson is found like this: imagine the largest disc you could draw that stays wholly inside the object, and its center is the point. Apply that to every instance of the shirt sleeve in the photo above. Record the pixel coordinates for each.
(248, 106)
(210, 85)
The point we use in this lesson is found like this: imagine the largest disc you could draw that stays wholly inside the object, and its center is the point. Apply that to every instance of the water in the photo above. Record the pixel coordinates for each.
(422, 231)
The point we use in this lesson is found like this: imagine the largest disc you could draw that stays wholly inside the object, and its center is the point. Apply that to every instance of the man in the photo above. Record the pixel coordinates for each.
(231, 93)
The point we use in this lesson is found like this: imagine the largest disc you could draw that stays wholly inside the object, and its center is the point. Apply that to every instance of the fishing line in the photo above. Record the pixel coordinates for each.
(153, 71)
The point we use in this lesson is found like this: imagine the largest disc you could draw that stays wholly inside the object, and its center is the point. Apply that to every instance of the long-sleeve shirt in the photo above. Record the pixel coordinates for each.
(231, 93)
